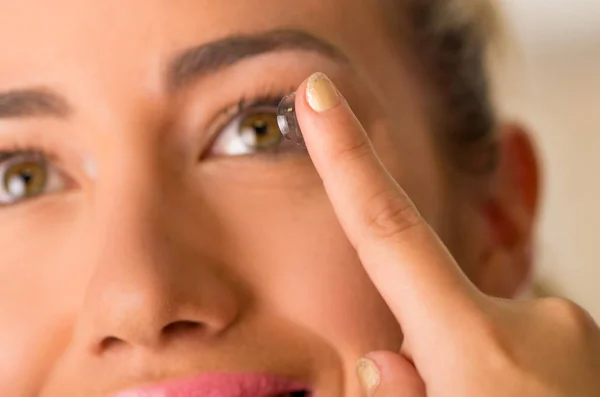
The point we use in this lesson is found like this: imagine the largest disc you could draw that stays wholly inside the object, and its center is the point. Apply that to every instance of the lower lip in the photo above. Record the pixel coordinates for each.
(222, 385)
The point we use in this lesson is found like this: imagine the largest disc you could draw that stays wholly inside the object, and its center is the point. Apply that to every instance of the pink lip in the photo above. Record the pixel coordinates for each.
(221, 385)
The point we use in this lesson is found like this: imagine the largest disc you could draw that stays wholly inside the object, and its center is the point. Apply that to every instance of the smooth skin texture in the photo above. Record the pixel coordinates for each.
(159, 257)
(458, 341)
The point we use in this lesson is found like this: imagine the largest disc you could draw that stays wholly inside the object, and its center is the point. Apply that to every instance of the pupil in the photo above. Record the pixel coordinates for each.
(26, 176)
(261, 127)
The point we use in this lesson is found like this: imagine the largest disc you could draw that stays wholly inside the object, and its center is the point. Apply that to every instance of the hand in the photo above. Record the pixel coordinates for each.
(458, 341)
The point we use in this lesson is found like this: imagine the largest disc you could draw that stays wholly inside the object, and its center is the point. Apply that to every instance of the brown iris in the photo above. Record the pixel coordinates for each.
(25, 179)
(260, 130)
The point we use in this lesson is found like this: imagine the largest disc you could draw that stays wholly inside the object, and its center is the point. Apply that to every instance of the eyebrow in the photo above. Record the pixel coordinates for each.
(34, 102)
(187, 67)
(210, 57)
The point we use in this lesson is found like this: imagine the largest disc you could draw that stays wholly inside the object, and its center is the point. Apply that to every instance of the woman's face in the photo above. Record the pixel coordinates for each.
(153, 225)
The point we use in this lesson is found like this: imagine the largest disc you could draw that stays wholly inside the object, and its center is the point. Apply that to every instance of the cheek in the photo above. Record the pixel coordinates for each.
(327, 291)
(38, 281)
(29, 348)
(303, 269)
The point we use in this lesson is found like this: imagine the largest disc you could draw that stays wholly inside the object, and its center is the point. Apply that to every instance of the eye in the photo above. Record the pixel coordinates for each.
(252, 130)
(25, 176)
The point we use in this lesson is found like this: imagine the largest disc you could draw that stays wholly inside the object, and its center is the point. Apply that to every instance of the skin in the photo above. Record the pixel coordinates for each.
(152, 265)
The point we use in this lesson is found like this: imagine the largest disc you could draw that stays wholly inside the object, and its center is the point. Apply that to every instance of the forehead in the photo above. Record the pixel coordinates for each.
(59, 37)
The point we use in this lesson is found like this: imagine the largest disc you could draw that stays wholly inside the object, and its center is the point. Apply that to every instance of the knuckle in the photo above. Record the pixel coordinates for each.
(388, 216)
(389, 212)
(492, 340)
(570, 317)
(352, 153)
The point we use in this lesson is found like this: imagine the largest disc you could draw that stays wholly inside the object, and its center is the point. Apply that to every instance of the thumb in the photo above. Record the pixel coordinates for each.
(387, 374)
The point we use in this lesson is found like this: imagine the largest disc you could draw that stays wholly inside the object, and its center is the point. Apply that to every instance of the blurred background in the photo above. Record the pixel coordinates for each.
(555, 89)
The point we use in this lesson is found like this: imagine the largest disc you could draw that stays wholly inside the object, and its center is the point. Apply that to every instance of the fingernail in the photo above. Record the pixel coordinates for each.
(321, 94)
(368, 375)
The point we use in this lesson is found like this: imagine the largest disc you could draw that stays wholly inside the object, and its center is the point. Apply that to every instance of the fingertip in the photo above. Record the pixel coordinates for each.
(324, 116)
(383, 373)
(318, 92)
(368, 374)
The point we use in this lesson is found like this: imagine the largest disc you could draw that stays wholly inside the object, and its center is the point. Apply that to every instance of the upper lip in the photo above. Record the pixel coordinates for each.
(221, 385)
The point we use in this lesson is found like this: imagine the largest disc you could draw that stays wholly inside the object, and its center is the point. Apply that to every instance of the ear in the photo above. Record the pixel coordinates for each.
(510, 211)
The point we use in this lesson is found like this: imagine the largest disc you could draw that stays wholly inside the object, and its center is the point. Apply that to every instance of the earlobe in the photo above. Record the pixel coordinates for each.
(510, 212)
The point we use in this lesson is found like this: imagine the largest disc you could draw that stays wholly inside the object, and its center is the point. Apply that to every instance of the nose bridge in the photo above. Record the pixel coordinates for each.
(129, 217)
(146, 282)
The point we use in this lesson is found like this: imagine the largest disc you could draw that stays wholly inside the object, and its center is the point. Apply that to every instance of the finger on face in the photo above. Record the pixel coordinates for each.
(405, 259)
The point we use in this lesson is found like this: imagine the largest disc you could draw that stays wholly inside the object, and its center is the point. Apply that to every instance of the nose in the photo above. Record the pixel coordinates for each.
(149, 308)
(151, 285)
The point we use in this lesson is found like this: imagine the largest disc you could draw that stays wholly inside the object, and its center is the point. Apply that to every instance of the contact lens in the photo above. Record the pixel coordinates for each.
(287, 121)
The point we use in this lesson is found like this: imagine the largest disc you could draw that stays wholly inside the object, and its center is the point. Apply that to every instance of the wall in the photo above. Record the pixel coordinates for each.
(557, 94)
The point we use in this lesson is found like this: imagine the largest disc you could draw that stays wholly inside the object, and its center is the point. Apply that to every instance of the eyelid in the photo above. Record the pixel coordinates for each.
(28, 152)
(245, 104)
(54, 142)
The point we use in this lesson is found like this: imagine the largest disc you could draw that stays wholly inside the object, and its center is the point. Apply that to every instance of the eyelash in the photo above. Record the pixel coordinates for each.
(246, 103)
(16, 149)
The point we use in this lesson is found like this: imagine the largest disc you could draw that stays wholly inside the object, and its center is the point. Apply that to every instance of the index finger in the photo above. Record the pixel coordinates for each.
(405, 259)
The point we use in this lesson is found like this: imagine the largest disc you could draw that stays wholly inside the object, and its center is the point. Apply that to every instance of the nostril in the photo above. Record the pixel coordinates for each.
(110, 343)
(147, 338)
(178, 328)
